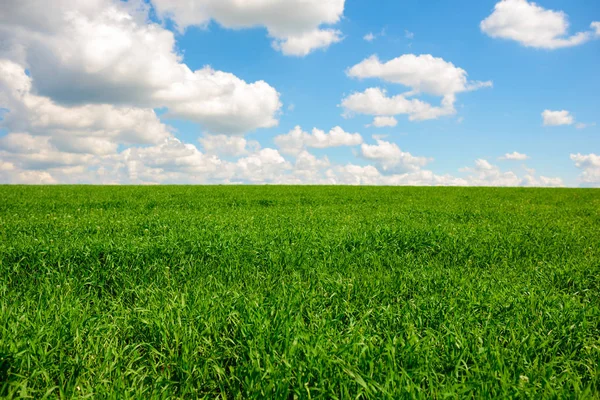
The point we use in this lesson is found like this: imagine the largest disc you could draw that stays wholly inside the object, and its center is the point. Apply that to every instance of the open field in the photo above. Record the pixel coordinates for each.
(307, 292)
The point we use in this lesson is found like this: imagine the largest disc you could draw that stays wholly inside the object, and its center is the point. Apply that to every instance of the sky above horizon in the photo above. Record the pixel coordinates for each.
(386, 92)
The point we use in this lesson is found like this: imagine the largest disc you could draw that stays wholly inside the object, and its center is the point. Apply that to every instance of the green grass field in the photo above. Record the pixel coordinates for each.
(299, 292)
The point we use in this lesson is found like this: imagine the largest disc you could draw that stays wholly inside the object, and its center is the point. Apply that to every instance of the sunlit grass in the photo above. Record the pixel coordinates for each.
(308, 292)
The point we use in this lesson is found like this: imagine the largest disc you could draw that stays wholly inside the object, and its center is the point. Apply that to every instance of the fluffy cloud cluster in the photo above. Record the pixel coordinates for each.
(516, 156)
(294, 25)
(382, 122)
(391, 158)
(423, 74)
(485, 174)
(590, 166)
(369, 37)
(36, 159)
(369, 175)
(229, 146)
(562, 117)
(80, 82)
(107, 52)
(533, 26)
(557, 118)
(91, 128)
(297, 140)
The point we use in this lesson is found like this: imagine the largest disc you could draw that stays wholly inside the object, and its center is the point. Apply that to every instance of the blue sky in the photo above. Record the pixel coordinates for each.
(109, 92)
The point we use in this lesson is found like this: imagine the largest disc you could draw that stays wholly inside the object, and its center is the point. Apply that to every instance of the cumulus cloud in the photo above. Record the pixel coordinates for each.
(533, 26)
(557, 118)
(590, 167)
(303, 44)
(306, 161)
(26, 177)
(375, 101)
(483, 173)
(262, 166)
(514, 156)
(233, 146)
(423, 74)
(26, 158)
(297, 140)
(79, 81)
(391, 158)
(545, 181)
(294, 25)
(176, 161)
(28, 152)
(106, 52)
(486, 174)
(369, 37)
(382, 122)
(352, 174)
(169, 157)
(95, 128)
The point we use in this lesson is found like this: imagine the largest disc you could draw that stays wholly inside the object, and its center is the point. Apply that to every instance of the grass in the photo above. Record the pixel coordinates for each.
(299, 292)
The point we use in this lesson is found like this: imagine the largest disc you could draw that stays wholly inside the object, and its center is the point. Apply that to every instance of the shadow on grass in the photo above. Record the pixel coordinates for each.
(6, 361)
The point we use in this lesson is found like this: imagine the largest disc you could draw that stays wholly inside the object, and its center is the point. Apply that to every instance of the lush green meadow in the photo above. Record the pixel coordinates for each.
(299, 292)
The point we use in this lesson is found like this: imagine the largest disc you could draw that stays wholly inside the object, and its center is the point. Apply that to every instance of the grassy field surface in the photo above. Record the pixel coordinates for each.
(299, 292)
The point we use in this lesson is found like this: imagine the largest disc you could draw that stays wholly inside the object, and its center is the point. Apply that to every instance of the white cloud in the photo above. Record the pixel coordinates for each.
(590, 165)
(375, 101)
(423, 74)
(382, 122)
(581, 125)
(174, 156)
(29, 152)
(391, 158)
(263, 166)
(514, 156)
(549, 182)
(556, 118)
(297, 140)
(27, 178)
(303, 44)
(178, 162)
(95, 127)
(596, 27)
(308, 169)
(233, 146)
(34, 159)
(294, 25)
(379, 137)
(563, 117)
(84, 145)
(533, 26)
(486, 174)
(6, 166)
(408, 34)
(369, 37)
(175, 161)
(352, 174)
(108, 52)
(307, 161)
